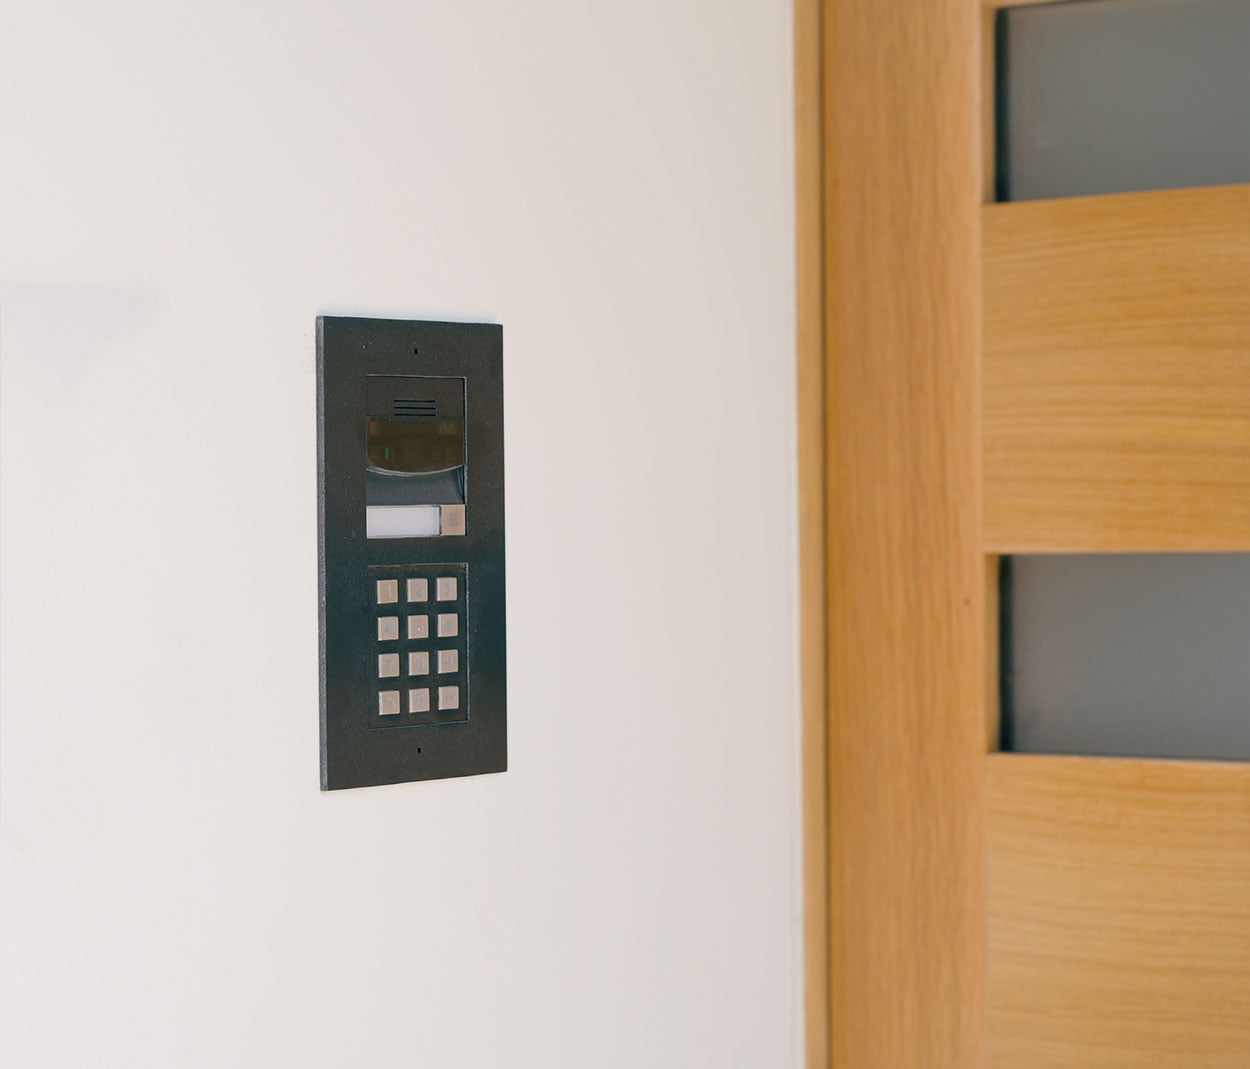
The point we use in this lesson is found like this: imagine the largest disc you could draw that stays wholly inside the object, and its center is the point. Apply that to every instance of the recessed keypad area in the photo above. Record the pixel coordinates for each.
(420, 649)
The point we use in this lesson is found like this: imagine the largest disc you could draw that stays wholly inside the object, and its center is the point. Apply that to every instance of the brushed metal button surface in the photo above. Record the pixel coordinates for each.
(453, 519)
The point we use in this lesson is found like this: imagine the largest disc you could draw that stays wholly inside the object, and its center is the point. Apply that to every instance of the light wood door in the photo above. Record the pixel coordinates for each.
(969, 908)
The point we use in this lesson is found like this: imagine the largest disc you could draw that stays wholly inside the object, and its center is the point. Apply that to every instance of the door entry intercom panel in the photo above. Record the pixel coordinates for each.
(410, 495)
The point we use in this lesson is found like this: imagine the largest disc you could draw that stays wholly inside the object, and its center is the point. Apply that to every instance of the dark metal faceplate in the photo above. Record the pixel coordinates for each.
(360, 746)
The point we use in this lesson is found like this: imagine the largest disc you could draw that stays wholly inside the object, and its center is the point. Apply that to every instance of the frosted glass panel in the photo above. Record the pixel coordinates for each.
(1109, 96)
(1133, 654)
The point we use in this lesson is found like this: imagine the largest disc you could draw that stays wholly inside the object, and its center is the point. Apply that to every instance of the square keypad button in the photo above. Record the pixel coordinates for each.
(422, 625)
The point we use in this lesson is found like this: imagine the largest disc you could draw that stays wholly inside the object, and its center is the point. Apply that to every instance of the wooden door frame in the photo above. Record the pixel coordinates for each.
(1093, 864)
(894, 595)
(809, 247)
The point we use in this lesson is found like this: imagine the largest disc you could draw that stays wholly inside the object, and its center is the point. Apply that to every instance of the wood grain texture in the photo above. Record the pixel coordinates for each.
(905, 570)
(989, 82)
(809, 248)
(993, 643)
(1117, 372)
(1119, 913)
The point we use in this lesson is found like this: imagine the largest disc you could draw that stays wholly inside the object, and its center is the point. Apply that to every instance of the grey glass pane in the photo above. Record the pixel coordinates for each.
(1132, 654)
(1108, 96)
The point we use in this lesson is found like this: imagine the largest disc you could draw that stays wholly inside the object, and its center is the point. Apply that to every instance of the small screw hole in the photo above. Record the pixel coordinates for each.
(416, 352)
(418, 749)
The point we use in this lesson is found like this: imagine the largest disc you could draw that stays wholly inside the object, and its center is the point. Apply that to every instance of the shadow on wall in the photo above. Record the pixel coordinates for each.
(62, 332)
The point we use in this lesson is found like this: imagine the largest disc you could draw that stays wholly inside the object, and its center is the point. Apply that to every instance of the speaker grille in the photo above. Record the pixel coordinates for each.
(414, 408)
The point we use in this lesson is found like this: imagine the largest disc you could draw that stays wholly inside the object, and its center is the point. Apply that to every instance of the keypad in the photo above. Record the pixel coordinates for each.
(422, 651)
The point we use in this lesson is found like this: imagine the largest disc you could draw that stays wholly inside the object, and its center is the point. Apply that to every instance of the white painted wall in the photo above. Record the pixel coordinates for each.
(183, 187)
